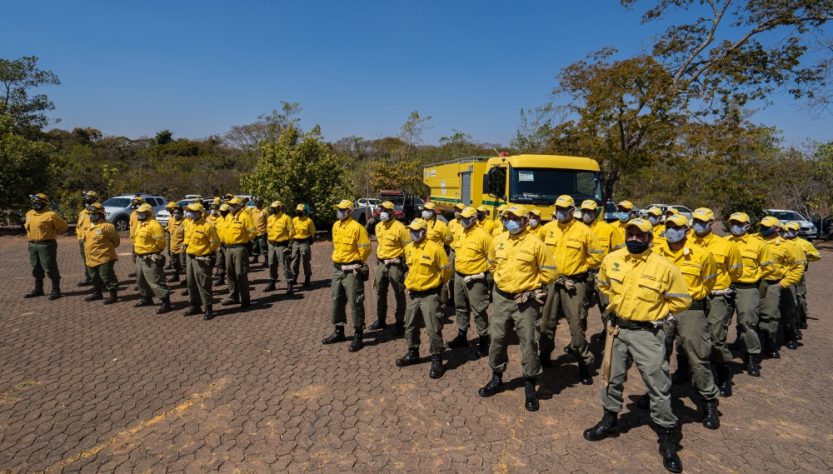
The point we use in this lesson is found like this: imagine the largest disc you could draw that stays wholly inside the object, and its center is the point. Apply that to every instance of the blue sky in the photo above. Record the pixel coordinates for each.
(357, 67)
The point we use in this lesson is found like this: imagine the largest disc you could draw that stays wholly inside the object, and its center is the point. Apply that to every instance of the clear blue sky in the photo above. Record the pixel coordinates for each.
(357, 67)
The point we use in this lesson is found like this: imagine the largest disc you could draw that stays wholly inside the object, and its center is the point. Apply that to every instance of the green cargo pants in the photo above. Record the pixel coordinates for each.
(471, 297)
(770, 314)
(801, 293)
(103, 277)
(572, 305)
(647, 350)
(220, 262)
(237, 271)
(789, 312)
(150, 276)
(88, 274)
(260, 245)
(393, 276)
(422, 312)
(179, 261)
(347, 288)
(198, 278)
(301, 252)
(44, 260)
(594, 296)
(691, 330)
(278, 256)
(748, 303)
(719, 309)
(504, 311)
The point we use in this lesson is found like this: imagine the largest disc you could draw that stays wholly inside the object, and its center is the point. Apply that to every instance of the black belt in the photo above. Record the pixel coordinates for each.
(772, 282)
(463, 275)
(755, 284)
(235, 246)
(698, 305)
(509, 296)
(302, 240)
(429, 292)
(578, 276)
(147, 254)
(47, 241)
(631, 324)
(282, 242)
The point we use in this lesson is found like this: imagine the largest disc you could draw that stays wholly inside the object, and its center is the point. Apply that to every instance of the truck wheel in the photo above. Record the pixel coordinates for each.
(121, 224)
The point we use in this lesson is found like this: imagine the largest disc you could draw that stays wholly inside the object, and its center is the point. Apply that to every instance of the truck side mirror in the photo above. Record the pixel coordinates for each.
(494, 181)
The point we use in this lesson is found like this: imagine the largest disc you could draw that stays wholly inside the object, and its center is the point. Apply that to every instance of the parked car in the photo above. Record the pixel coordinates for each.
(683, 210)
(824, 226)
(117, 209)
(807, 229)
(163, 215)
(368, 202)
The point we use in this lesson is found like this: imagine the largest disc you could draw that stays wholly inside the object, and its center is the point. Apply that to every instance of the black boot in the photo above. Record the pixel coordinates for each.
(668, 449)
(436, 366)
(306, 281)
(209, 313)
(483, 343)
(114, 296)
(165, 306)
(289, 289)
(752, 367)
(270, 286)
(85, 282)
(379, 324)
(221, 280)
(37, 291)
(143, 302)
(712, 418)
(459, 341)
(608, 426)
(792, 344)
(682, 374)
(336, 336)
(546, 359)
(193, 310)
(398, 329)
(411, 357)
(774, 351)
(643, 402)
(492, 387)
(97, 295)
(531, 398)
(584, 373)
(56, 290)
(358, 342)
(229, 301)
(724, 375)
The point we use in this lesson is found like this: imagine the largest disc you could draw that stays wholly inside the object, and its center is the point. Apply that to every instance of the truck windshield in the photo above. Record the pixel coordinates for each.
(543, 186)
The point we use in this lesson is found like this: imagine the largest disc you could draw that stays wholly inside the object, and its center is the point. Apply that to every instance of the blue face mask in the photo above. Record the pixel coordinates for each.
(466, 223)
(701, 229)
(384, 216)
(653, 220)
(563, 215)
(341, 214)
(767, 231)
(417, 236)
(623, 216)
(95, 217)
(513, 227)
(737, 230)
(675, 235)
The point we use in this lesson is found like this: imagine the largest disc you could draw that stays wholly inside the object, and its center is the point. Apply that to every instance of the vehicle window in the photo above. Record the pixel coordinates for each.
(682, 209)
(787, 216)
(117, 202)
(543, 186)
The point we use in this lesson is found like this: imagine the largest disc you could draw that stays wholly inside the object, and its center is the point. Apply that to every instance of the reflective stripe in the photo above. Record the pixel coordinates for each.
(364, 245)
(597, 251)
(739, 265)
(548, 267)
(712, 276)
(768, 262)
(678, 295)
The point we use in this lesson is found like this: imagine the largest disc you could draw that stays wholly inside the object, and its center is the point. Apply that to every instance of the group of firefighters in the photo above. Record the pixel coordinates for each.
(661, 282)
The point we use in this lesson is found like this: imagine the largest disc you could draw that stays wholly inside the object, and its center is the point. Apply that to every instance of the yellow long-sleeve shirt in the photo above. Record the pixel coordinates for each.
(538, 231)
(609, 238)
(788, 268)
(149, 237)
(644, 287)
(350, 242)
(303, 228)
(279, 227)
(697, 266)
(428, 266)
(438, 232)
(471, 251)
(201, 238)
(726, 257)
(810, 251)
(391, 237)
(521, 262)
(134, 224)
(237, 229)
(260, 218)
(754, 254)
(82, 223)
(100, 243)
(44, 225)
(574, 247)
(176, 229)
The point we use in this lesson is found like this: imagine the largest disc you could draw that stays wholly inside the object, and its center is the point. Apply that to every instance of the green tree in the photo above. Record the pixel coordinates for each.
(24, 165)
(164, 137)
(17, 78)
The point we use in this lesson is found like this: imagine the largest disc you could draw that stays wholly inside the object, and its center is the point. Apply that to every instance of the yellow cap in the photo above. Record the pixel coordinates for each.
(40, 197)
(236, 200)
(468, 212)
(91, 193)
(145, 208)
(228, 197)
(741, 217)
(589, 205)
(535, 212)
(565, 200)
(460, 206)
(678, 219)
(276, 204)
(387, 205)
(138, 198)
(96, 207)
(770, 221)
(430, 206)
(501, 208)
(224, 207)
(703, 214)
(171, 205)
(301, 207)
(217, 201)
(195, 207)
(344, 204)
(418, 224)
(626, 205)
(639, 223)
(671, 211)
(517, 211)
(655, 211)
(793, 226)
(482, 209)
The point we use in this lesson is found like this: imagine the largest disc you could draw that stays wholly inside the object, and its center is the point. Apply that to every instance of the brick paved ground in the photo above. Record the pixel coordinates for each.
(112, 388)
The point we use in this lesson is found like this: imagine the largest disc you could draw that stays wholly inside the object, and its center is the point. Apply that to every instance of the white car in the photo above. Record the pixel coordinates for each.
(683, 210)
(372, 203)
(117, 209)
(807, 229)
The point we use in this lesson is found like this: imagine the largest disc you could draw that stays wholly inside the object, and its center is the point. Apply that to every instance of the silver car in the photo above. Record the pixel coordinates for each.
(806, 228)
(117, 209)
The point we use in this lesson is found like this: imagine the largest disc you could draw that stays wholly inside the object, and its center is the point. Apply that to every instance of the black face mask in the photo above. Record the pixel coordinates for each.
(224, 213)
(299, 213)
(635, 247)
(38, 206)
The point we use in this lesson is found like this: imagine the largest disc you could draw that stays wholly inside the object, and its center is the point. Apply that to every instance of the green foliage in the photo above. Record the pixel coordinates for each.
(164, 137)
(24, 165)
(17, 78)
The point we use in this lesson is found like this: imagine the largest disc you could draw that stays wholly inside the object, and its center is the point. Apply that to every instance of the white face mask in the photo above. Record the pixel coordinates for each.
(341, 215)
(466, 223)
(417, 235)
(384, 216)
(588, 217)
(426, 214)
(533, 223)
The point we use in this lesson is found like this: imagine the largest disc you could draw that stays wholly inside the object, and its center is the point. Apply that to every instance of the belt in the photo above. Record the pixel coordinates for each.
(235, 246)
(633, 325)
(282, 242)
(301, 240)
(47, 241)
(390, 261)
(339, 266)
(698, 305)
(147, 254)
(428, 292)
(755, 284)
(578, 276)
(772, 282)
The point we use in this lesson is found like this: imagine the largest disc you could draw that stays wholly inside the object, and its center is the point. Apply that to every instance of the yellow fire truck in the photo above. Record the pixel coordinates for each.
(534, 181)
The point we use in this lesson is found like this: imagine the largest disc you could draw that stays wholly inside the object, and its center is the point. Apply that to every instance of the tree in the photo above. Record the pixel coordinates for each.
(17, 78)
(412, 130)
(24, 165)
(268, 127)
(164, 137)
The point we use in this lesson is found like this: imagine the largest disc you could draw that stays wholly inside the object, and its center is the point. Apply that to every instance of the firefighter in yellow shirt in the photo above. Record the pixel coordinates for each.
(351, 248)
(87, 199)
(100, 243)
(576, 250)
(302, 239)
(439, 234)
(42, 226)
(789, 296)
(536, 224)
(657, 220)
(812, 255)
(170, 208)
(700, 271)
(218, 218)
(484, 220)
(279, 236)
(260, 216)
(135, 202)
(471, 249)
(523, 268)
(644, 289)
(428, 271)
(148, 245)
(175, 230)
(609, 240)
(497, 228)
(454, 224)
(624, 214)
(236, 234)
(201, 243)
(720, 302)
(392, 237)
